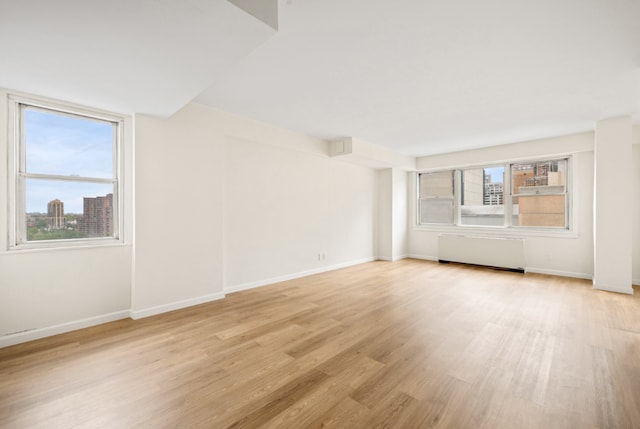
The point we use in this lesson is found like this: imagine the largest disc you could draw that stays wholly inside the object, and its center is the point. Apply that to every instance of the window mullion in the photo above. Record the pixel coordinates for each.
(21, 164)
(508, 200)
(457, 196)
(68, 178)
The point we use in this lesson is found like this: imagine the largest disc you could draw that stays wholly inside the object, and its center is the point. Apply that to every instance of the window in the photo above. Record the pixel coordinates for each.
(531, 194)
(539, 193)
(436, 197)
(65, 175)
(482, 196)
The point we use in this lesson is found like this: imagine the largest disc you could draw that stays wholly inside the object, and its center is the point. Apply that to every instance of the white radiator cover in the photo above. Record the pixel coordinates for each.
(489, 251)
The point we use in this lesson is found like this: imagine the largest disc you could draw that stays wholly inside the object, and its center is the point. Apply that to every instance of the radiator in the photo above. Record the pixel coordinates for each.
(493, 252)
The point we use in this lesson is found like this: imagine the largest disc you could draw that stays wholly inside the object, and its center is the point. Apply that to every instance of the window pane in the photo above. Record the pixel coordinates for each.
(540, 210)
(436, 210)
(67, 145)
(545, 177)
(438, 184)
(540, 189)
(436, 197)
(58, 209)
(482, 196)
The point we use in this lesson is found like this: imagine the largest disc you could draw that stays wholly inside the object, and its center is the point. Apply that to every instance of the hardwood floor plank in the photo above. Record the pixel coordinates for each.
(346, 414)
(408, 344)
(278, 401)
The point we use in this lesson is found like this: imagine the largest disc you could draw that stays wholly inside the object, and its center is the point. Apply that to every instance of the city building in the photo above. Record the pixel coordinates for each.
(473, 184)
(55, 214)
(493, 192)
(540, 199)
(97, 216)
(478, 188)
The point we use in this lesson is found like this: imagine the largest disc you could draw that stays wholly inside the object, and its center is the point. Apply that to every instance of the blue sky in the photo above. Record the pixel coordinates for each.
(496, 174)
(66, 146)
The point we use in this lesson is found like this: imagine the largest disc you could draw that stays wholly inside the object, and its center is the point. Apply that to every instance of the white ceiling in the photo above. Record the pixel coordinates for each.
(146, 56)
(418, 76)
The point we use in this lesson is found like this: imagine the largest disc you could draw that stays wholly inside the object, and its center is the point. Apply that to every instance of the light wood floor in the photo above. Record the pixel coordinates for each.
(408, 344)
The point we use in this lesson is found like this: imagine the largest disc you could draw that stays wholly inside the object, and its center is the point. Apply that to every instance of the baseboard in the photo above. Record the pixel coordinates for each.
(558, 273)
(608, 288)
(628, 291)
(36, 334)
(391, 258)
(636, 282)
(152, 311)
(284, 278)
(423, 257)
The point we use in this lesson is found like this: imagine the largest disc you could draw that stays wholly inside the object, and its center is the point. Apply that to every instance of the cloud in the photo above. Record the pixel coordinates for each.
(66, 146)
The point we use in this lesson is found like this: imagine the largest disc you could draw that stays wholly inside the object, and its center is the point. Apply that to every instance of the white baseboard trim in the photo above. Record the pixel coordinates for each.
(36, 334)
(423, 257)
(607, 288)
(636, 282)
(558, 273)
(391, 258)
(152, 311)
(278, 279)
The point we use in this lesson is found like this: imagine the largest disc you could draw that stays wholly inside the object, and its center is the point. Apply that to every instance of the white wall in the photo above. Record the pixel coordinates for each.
(562, 254)
(179, 214)
(384, 232)
(291, 212)
(635, 196)
(225, 203)
(43, 289)
(392, 214)
(400, 219)
(613, 209)
(47, 291)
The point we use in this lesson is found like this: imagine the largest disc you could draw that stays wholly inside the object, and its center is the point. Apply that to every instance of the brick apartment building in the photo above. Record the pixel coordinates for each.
(97, 218)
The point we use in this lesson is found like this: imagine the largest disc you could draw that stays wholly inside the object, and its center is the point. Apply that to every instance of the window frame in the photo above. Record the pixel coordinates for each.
(17, 174)
(508, 226)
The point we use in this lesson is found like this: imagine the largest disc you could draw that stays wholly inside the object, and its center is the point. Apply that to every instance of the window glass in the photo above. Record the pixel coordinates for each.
(436, 197)
(482, 196)
(57, 210)
(530, 194)
(539, 193)
(66, 181)
(67, 145)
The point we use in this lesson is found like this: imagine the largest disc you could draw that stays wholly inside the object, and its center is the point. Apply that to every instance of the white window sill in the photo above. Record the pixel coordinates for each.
(54, 245)
(497, 231)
